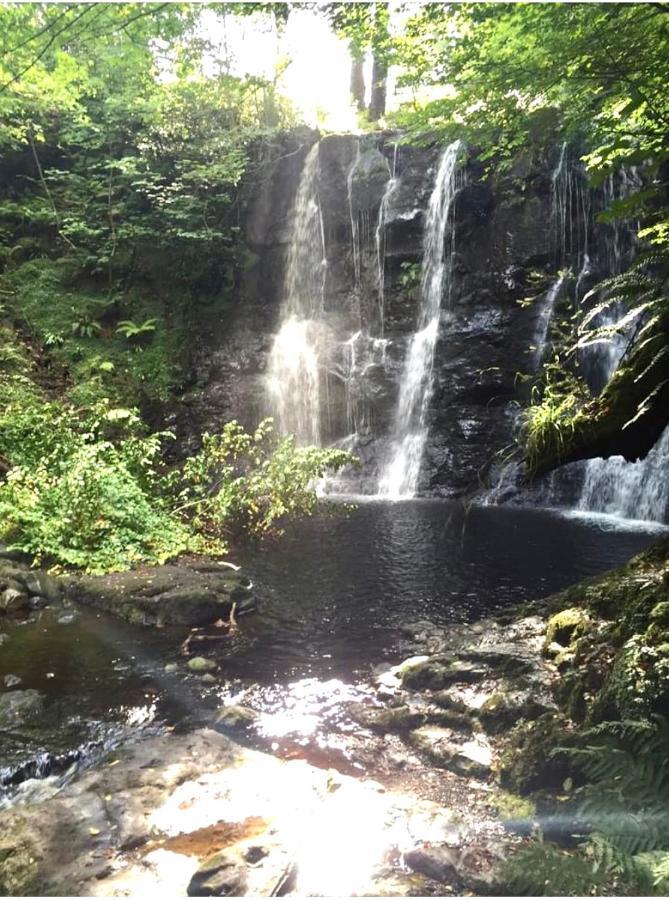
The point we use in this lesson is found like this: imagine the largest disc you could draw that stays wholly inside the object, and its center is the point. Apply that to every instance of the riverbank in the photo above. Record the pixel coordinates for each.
(442, 727)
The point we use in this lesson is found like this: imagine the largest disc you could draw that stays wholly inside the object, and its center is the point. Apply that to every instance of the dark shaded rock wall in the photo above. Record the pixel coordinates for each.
(504, 248)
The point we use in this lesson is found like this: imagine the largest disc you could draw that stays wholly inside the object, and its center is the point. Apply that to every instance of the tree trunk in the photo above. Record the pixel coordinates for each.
(358, 83)
(377, 106)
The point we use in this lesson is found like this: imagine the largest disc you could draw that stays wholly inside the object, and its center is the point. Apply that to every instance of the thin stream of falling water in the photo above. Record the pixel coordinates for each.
(294, 374)
(399, 478)
(379, 240)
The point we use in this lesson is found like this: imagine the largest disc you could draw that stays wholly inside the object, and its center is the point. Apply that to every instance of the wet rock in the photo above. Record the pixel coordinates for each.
(562, 627)
(442, 747)
(38, 603)
(220, 875)
(68, 618)
(171, 668)
(504, 709)
(14, 601)
(11, 681)
(201, 664)
(41, 584)
(439, 863)
(208, 678)
(439, 672)
(3, 638)
(382, 718)
(19, 707)
(197, 594)
(236, 716)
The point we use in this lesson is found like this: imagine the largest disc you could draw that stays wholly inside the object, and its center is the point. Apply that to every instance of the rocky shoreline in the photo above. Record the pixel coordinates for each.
(457, 735)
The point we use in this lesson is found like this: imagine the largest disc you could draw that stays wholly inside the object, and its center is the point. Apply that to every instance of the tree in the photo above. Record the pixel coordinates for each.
(366, 26)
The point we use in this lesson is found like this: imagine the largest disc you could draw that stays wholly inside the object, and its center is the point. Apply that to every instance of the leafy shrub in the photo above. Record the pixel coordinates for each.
(243, 484)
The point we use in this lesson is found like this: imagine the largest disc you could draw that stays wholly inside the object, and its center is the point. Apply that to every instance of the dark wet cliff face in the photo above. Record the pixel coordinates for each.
(504, 251)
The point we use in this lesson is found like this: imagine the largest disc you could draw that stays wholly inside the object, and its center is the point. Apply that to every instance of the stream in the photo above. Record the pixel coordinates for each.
(335, 596)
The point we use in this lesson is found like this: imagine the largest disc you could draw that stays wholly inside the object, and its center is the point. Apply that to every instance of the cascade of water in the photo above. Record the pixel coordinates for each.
(637, 490)
(380, 242)
(543, 323)
(400, 475)
(614, 486)
(294, 372)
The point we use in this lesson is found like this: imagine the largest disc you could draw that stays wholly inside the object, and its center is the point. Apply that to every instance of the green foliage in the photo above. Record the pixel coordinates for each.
(80, 490)
(550, 421)
(86, 487)
(410, 275)
(626, 801)
(243, 484)
(130, 329)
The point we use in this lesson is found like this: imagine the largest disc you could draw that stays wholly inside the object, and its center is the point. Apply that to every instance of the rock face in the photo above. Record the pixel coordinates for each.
(197, 594)
(503, 251)
(198, 815)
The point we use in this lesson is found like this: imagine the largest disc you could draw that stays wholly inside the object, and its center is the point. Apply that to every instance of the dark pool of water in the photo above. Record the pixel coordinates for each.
(333, 595)
(336, 589)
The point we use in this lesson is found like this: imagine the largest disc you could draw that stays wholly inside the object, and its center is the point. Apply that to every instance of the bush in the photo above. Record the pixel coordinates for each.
(244, 484)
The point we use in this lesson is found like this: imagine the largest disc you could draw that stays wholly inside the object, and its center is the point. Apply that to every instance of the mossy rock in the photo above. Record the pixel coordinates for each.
(513, 807)
(563, 627)
(527, 762)
(638, 684)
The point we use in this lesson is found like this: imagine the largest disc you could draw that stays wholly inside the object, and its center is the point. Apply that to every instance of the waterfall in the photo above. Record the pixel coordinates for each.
(614, 486)
(379, 240)
(627, 490)
(294, 371)
(399, 478)
(544, 321)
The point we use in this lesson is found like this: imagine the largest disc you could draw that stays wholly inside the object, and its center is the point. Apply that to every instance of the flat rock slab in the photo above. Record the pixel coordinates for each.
(197, 594)
(197, 815)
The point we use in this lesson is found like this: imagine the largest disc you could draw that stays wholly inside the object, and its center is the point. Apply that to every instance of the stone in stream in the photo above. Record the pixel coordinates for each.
(234, 716)
(383, 718)
(11, 681)
(14, 601)
(201, 664)
(198, 594)
(208, 678)
(41, 584)
(69, 617)
(445, 749)
(220, 875)
(4, 637)
(439, 672)
(19, 707)
(38, 602)
(437, 862)
(171, 668)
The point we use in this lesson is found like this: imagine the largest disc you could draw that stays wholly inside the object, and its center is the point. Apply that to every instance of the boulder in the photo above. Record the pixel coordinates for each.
(41, 584)
(19, 707)
(14, 601)
(196, 595)
(234, 716)
(220, 875)
(436, 862)
(383, 718)
(439, 672)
